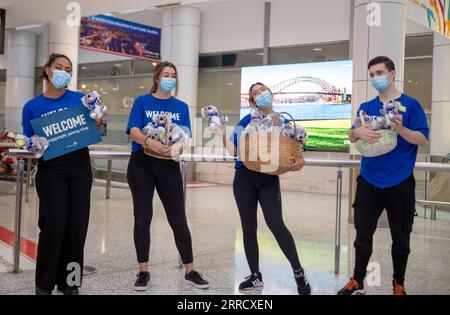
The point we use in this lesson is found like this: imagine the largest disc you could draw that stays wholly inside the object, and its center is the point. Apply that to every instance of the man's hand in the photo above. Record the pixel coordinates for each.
(365, 134)
(398, 120)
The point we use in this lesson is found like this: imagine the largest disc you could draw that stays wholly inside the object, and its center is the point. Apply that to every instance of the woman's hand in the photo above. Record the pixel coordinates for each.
(177, 149)
(157, 147)
(218, 131)
(99, 122)
(297, 164)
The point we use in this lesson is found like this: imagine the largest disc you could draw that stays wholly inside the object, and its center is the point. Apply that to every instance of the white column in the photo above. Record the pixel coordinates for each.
(379, 29)
(440, 108)
(62, 38)
(20, 72)
(180, 41)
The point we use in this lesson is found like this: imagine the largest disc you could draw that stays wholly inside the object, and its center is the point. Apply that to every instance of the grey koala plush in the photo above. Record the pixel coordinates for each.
(148, 129)
(159, 120)
(298, 133)
(177, 134)
(362, 114)
(389, 111)
(215, 117)
(272, 120)
(256, 114)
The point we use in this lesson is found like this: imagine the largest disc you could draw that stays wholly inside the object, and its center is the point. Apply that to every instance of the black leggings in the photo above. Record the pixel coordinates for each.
(399, 202)
(250, 187)
(64, 188)
(144, 174)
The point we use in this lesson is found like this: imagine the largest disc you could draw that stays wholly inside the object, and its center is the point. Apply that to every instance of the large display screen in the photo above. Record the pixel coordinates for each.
(115, 36)
(317, 95)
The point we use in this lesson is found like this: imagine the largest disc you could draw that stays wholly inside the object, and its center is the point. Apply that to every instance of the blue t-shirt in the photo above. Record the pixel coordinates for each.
(235, 136)
(42, 106)
(146, 106)
(393, 168)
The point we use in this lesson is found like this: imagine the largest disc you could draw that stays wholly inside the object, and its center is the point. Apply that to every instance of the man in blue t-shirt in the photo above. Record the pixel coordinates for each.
(387, 181)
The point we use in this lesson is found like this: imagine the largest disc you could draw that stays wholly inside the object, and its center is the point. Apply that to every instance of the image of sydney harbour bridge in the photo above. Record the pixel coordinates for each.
(326, 93)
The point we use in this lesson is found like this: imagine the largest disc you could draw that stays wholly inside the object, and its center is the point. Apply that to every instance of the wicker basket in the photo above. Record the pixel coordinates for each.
(262, 142)
(150, 152)
(386, 143)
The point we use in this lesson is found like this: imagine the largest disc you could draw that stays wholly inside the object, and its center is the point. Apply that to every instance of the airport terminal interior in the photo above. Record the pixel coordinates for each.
(312, 55)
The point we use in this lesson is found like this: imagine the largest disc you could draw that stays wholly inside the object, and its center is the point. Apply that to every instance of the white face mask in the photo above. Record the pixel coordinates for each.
(60, 78)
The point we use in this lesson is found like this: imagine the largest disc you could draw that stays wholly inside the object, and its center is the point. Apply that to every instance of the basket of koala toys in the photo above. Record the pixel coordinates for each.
(383, 124)
(270, 144)
(163, 130)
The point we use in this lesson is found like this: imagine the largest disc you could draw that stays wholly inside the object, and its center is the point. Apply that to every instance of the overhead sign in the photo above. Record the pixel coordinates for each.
(120, 37)
(433, 14)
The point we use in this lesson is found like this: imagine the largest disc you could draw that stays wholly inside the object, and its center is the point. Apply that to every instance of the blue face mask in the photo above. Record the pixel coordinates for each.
(60, 79)
(168, 84)
(264, 100)
(381, 83)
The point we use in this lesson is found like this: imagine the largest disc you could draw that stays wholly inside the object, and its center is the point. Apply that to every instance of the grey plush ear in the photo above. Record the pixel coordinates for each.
(204, 111)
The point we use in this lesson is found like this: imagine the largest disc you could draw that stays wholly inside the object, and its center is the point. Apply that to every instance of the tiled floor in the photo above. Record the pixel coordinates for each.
(218, 249)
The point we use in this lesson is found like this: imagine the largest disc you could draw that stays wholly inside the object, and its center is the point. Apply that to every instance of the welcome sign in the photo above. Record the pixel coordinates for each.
(66, 131)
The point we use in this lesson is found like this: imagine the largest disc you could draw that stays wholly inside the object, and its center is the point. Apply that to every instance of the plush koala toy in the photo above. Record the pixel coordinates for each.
(214, 116)
(36, 145)
(158, 134)
(378, 123)
(155, 133)
(147, 130)
(302, 135)
(266, 122)
(389, 111)
(253, 126)
(362, 116)
(177, 135)
(256, 114)
(93, 102)
(298, 132)
(159, 120)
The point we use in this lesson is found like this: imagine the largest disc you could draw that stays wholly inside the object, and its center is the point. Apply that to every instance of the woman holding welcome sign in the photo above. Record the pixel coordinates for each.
(156, 124)
(63, 185)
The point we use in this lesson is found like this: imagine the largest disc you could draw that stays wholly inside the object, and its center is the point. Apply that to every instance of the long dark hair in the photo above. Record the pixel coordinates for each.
(51, 59)
(158, 69)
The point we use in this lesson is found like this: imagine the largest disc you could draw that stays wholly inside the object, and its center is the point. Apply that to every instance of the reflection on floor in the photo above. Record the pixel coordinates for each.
(218, 249)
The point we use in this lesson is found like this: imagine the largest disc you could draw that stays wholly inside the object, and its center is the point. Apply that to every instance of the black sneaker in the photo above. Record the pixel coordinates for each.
(195, 279)
(303, 286)
(39, 291)
(141, 283)
(70, 291)
(251, 282)
(353, 287)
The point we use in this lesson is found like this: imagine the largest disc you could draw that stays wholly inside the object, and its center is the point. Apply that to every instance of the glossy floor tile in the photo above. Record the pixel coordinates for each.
(218, 249)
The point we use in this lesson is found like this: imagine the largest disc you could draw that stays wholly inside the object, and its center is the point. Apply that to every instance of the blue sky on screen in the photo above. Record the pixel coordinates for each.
(337, 73)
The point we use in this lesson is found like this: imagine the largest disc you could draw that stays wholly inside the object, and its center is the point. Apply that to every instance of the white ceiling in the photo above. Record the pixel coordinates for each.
(30, 12)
